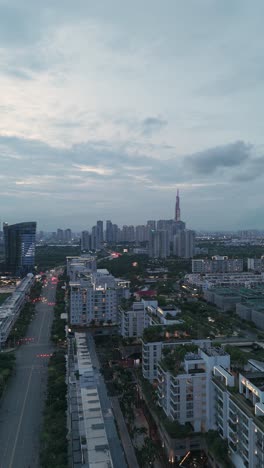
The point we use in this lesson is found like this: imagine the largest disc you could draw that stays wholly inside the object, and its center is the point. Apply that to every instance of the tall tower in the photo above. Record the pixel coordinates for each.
(20, 243)
(177, 207)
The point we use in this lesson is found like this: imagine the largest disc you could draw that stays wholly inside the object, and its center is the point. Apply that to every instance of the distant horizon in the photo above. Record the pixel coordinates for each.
(107, 110)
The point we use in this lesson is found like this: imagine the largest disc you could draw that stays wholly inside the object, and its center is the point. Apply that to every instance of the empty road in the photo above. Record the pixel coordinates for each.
(22, 404)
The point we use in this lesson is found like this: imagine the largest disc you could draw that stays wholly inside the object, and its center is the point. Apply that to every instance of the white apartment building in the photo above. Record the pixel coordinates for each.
(95, 294)
(185, 394)
(133, 321)
(91, 301)
(217, 264)
(152, 353)
(80, 264)
(144, 314)
(239, 415)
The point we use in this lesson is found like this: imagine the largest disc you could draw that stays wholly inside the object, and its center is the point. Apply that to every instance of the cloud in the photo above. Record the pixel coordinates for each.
(152, 125)
(226, 156)
(102, 171)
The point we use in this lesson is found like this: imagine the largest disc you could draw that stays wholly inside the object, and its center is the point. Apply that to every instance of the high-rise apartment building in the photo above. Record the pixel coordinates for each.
(68, 235)
(85, 241)
(20, 244)
(183, 243)
(141, 233)
(100, 234)
(60, 235)
(109, 232)
(159, 246)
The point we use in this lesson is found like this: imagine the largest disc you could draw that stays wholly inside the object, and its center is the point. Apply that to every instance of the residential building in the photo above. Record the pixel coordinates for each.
(184, 384)
(109, 232)
(218, 264)
(210, 280)
(95, 294)
(239, 414)
(19, 245)
(60, 235)
(159, 244)
(68, 235)
(152, 352)
(133, 321)
(85, 241)
(141, 233)
(183, 243)
(256, 264)
(99, 234)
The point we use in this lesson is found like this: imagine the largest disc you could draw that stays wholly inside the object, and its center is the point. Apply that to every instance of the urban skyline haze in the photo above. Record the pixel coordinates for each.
(108, 107)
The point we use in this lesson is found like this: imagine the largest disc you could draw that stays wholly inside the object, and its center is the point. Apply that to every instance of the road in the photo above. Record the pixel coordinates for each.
(22, 404)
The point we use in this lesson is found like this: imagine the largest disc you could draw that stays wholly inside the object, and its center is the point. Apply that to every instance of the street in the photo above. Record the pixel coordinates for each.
(22, 403)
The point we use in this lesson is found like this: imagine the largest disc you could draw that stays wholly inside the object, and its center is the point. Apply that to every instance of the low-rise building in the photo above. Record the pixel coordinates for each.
(256, 264)
(253, 311)
(207, 281)
(90, 445)
(12, 306)
(218, 264)
(228, 298)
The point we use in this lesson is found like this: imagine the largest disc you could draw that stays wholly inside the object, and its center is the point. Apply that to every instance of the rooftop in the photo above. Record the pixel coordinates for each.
(215, 351)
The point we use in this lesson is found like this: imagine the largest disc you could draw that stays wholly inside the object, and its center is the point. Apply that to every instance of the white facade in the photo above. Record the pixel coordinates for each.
(186, 396)
(132, 322)
(239, 417)
(152, 353)
(95, 294)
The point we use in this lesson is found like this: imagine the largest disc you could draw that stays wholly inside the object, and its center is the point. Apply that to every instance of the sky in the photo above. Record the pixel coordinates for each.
(108, 107)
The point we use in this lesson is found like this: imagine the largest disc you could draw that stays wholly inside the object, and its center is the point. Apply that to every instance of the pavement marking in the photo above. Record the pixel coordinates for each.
(20, 419)
(41, 327)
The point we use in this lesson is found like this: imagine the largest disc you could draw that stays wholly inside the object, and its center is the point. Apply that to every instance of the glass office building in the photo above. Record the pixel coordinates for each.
(20, 244)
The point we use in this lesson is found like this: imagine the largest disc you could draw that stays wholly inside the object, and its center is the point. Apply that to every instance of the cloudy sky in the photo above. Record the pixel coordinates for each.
(107, 107)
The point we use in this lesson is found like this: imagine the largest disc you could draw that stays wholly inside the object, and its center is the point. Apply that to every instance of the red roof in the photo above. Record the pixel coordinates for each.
(148, 293)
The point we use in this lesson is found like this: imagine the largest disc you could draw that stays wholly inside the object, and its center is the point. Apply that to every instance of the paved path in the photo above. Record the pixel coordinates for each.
(124, 434)
(22, 404)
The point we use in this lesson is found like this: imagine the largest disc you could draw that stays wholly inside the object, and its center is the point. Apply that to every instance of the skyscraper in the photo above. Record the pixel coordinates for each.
(159, 244)
(177, 207)
(20, 244)
(109, 231)
(100, 234)
(183, 243)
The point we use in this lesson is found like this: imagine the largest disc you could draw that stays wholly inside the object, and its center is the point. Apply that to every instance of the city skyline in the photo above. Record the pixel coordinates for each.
(120, 107)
